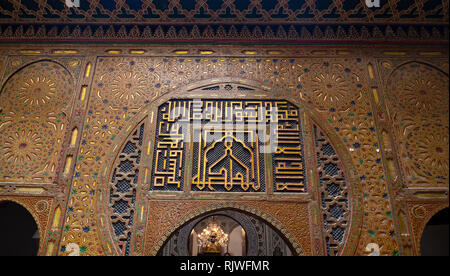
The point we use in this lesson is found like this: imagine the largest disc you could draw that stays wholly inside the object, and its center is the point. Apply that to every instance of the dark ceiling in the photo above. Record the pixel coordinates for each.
(267, 20)
(224, 11)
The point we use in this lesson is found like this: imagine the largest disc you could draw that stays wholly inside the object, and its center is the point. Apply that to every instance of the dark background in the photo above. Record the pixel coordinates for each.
(17, 228)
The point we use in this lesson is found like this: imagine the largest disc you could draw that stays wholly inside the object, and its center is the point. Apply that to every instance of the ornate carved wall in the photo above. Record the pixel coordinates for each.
(36, 101)
(81, 127)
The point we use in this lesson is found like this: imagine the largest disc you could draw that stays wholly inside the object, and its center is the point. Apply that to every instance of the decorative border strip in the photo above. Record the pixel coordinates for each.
(223, 33)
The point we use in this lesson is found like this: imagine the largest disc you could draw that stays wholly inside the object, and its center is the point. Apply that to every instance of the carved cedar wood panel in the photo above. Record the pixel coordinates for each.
(335, 93)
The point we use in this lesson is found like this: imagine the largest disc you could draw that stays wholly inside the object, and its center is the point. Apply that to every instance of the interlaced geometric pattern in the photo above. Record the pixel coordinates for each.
(229, 139)
(269, 241)
(242, 11)
(123, 189)
(333, 193)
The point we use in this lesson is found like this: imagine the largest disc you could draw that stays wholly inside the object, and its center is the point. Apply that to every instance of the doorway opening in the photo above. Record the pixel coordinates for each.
(217, 236)
(434, 240)
(226, 232)
(19, 235)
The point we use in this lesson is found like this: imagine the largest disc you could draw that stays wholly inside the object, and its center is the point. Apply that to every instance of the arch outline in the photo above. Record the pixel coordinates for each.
(188, 92)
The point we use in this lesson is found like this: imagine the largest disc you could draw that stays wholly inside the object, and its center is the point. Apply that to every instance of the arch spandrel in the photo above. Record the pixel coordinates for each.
(287, 224)
(255, 91)
(248, 218)
(419, 214)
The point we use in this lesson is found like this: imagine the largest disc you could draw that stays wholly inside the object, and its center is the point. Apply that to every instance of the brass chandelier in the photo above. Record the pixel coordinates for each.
(212, 238)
